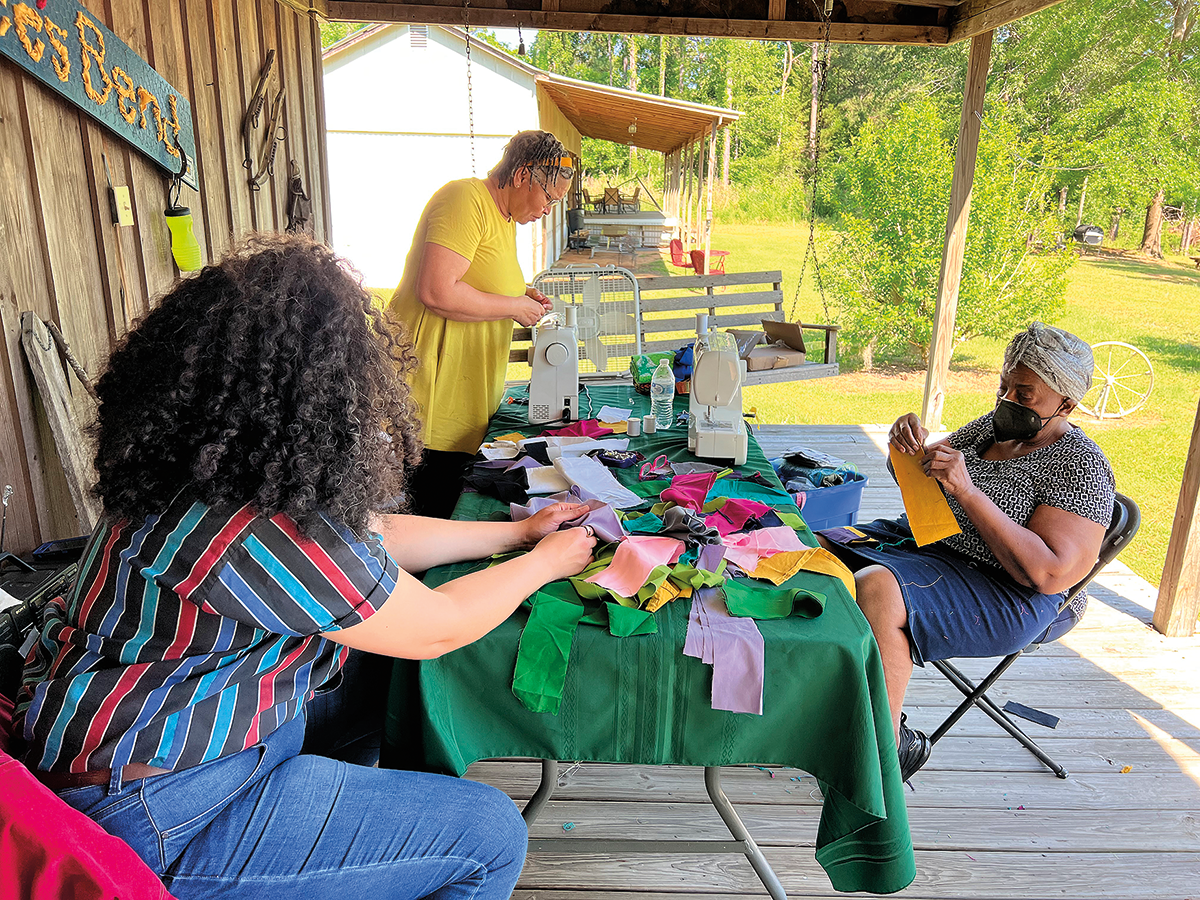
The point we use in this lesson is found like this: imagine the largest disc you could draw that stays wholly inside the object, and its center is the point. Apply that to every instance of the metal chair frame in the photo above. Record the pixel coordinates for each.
(1126, 520)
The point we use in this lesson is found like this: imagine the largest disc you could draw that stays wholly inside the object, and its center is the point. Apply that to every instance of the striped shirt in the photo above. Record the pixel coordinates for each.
(193, 635)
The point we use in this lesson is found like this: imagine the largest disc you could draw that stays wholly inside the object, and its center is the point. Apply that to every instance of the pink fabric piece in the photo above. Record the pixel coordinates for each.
(635, 559)
(734, 514)
(583, 428)
(745, 550)
(733, 646)
(690, 490)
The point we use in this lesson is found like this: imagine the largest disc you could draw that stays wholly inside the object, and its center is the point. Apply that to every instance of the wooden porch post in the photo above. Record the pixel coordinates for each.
(699, 220)
(708, 215)
(942, 343)
(1179, 590)
(688, 157)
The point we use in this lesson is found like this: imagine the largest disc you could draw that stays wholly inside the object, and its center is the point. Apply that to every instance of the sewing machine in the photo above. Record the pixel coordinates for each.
(554, 383)
(716, 429)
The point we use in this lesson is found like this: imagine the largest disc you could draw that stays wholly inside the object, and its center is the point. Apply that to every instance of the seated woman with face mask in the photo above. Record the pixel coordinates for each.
(1033, 496)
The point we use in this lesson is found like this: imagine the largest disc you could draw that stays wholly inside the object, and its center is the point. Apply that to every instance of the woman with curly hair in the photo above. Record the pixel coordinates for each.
(251, 430)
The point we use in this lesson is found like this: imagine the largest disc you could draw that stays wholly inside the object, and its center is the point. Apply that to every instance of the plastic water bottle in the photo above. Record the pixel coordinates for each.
(662, 395)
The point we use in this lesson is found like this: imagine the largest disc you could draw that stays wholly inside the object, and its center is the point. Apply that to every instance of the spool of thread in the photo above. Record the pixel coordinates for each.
(649, 426)
(634, 427)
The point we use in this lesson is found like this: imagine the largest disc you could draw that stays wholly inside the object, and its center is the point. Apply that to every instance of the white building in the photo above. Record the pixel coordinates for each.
(399, 122)
(398, 126)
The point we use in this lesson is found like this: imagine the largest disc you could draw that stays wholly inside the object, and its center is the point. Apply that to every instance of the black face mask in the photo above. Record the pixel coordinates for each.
(1014, 422)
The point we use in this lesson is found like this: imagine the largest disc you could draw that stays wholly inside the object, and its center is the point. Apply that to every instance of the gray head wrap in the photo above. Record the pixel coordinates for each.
(1057, 357)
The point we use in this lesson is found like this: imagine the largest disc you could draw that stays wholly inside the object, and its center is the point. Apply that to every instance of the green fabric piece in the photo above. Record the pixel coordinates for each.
(641, 703)
(545, 647)
(711, 506)
(657, 576)
(647, 523)
(626, 622)
(687, 575)
(661, 507)
(650, 488)
(689, 557)
(792, 519)
(758, 601)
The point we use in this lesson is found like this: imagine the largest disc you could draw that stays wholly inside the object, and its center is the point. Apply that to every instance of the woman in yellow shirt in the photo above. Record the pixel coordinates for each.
(461, 290)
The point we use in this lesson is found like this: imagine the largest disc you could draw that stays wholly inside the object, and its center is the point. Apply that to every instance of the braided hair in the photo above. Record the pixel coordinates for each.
(533, 150)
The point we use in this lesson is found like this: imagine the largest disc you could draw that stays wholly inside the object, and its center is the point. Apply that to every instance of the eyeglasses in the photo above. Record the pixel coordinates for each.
(550, 201)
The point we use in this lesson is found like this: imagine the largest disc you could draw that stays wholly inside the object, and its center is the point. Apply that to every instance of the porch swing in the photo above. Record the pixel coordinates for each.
(761, 306)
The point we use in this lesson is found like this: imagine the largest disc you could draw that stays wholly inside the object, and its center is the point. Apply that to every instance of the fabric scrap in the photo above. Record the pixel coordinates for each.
(779, 567)
(545, 647)
(635, 559)
(545, 480)
(929, 513)
(745, 550)
(508, 487)
(685, 525)
(734, 514)
(647, 523)
(591, 475)
(583, 428)
(626, 622)
(612, 414)
(689, 490)
(512, 437)
(732, 646)
(758, 602)
(599, 515)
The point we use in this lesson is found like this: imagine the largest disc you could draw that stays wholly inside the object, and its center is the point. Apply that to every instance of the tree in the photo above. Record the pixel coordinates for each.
(884, 275)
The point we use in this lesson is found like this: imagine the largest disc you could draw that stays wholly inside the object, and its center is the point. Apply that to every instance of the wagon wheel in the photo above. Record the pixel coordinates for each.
(1121, 381)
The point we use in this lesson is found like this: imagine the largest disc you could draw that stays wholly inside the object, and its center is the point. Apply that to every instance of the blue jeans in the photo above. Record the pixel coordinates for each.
(270, 822)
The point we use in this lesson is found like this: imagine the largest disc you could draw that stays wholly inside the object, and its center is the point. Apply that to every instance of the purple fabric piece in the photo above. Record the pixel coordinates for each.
(710, 557)
(525, 462)
(583, 428)
(734, 515)
(690, 490)
(602, 517)
(738, 656)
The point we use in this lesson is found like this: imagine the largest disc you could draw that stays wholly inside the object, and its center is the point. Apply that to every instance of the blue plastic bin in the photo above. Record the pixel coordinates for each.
(829, 507)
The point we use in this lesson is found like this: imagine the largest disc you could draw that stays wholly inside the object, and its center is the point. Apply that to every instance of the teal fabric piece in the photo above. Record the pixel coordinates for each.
(626, 622)
(647, 523)
(758, 601)
(750, 490)
(545, 647)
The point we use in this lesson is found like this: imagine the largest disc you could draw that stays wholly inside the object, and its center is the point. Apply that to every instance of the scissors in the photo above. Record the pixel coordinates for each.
(659, 466)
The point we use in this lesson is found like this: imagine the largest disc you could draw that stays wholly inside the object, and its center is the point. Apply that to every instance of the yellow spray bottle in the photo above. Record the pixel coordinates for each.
(184, 246)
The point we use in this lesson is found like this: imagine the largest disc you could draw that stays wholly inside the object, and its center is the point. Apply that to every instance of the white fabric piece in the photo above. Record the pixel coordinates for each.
(499, 450)
(610, 414)
(557, 447)
(592, 476)
(546, 480)
(1057, 357)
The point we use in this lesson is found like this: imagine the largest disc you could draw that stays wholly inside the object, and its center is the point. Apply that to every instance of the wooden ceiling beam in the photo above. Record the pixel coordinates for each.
(759, 29)
(977, 16)
(311, 7)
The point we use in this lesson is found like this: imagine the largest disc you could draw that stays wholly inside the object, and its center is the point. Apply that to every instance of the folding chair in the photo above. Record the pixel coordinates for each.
(1125, 522)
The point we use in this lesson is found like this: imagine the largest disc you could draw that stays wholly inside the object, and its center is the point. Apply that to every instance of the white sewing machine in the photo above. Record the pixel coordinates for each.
(716, 429)
(554, 384)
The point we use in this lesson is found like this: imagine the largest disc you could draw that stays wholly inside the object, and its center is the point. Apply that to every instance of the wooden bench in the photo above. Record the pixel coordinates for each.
(667, 319)
(669, 304)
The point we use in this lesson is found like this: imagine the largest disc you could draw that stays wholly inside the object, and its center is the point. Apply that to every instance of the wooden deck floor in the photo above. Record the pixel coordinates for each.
(988, 821)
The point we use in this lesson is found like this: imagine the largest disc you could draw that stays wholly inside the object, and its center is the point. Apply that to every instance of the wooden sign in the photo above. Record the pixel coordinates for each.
(67, 48)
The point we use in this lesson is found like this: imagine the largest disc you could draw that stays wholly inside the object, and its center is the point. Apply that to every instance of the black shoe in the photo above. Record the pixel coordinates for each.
(913, 749)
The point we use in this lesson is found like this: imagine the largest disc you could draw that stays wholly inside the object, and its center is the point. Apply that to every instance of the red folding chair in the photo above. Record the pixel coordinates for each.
(677, 257)
(718, 262)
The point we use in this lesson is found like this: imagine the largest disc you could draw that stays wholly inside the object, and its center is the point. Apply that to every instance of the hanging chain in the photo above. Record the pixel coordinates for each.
(470, 97)
(814, 171)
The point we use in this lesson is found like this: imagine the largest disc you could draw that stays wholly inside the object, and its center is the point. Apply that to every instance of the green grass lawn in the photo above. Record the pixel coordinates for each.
(1155, 307)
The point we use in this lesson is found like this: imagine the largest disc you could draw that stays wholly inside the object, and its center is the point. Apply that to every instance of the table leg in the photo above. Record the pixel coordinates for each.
(542, 795)
(712, 784)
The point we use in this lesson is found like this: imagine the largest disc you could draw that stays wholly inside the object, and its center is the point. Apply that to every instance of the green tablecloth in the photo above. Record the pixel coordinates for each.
(640, 700)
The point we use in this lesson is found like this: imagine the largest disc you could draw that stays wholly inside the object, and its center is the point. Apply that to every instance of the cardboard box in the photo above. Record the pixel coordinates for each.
(773, 356)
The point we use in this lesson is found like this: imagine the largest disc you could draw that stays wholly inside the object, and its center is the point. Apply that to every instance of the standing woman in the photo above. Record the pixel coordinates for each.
(250, 430)
(461, 290)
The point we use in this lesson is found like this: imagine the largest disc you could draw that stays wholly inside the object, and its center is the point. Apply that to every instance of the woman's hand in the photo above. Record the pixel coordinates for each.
(946, 464)
(908, 435)
(566, 553)
(527, 311)
(549, 520)
(534, 294)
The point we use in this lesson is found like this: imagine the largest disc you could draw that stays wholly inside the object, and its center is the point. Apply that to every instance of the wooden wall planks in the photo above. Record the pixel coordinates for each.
(61, 257)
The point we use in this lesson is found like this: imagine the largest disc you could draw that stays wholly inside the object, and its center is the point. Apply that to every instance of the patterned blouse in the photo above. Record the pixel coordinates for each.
(1071, 474)
(193, 635)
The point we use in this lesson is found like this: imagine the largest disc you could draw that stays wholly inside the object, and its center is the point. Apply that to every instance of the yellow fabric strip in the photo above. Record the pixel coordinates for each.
(929, 515)
(779, 567)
